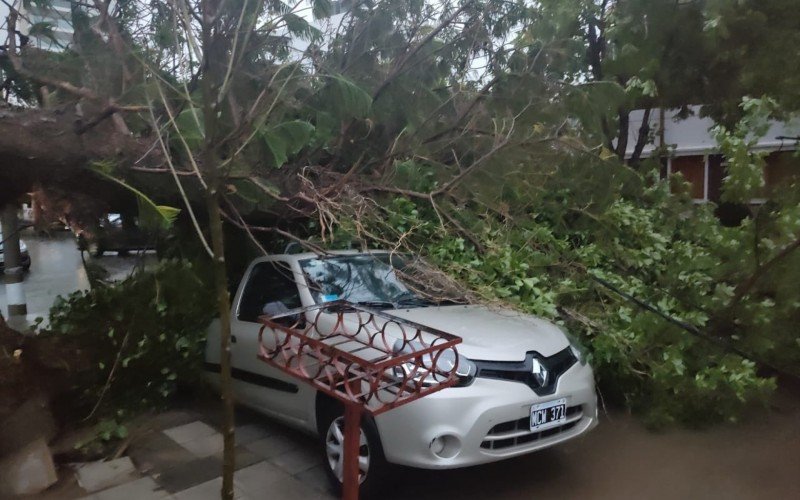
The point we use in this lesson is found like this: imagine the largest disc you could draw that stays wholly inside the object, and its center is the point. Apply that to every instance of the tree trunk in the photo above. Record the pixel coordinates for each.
(224, 309)
(641, 139)
(622, 134)
(14, 272)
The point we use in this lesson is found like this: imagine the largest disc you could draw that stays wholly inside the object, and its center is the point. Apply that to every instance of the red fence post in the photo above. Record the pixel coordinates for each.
(352, 445)
(358, 362)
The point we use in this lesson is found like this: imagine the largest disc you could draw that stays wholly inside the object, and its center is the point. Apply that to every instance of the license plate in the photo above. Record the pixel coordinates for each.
(549, 414)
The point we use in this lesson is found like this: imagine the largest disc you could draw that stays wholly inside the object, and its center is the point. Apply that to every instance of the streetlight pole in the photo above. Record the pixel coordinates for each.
(15, 293)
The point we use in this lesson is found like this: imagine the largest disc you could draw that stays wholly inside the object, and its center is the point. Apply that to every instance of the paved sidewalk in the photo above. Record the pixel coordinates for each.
(180, 457)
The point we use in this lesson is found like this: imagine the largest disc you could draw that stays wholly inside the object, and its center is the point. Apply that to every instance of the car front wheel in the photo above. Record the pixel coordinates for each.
(372, 465)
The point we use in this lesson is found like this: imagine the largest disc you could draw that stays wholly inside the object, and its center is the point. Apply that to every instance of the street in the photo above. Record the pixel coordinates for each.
(621, 459)
(57, 269)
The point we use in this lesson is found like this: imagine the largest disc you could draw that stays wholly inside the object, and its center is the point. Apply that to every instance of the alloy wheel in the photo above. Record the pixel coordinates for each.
(334, 450)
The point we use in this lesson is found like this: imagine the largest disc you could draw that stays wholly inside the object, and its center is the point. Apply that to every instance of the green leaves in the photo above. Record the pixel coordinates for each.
(636, 86)
(42, 30)
(151, 215)
(299, 26)
(150, 326)
(286, 139)
(649, 244)
(745, 170)
(321, 8)
(346, 98)
(254, 192)
(190, 125)
(156, 217)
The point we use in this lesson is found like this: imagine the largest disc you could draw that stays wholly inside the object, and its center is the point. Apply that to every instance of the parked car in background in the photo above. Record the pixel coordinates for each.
(23, 248)
(114, 234)
(523, 385)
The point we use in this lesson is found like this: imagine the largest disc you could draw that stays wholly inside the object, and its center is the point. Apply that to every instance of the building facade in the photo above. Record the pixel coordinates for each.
(692, 152)
(48, 27)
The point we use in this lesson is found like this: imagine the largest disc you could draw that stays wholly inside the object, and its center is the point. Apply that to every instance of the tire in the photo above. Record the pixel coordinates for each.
(95, 250)
(331, 441)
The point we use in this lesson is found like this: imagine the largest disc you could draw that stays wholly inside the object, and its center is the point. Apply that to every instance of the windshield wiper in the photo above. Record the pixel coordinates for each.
(409, 298)
(415, 301)
(383, 304)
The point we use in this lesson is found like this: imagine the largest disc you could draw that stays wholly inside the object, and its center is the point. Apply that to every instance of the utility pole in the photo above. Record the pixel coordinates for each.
(15, 293)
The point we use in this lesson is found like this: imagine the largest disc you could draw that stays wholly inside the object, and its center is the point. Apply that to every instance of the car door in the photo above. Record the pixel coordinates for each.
(256, 383)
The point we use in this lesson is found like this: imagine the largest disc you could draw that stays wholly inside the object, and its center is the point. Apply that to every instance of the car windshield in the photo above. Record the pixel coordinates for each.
(378, 280)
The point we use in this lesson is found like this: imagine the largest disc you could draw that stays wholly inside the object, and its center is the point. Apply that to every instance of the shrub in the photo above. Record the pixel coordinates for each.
(143, 336)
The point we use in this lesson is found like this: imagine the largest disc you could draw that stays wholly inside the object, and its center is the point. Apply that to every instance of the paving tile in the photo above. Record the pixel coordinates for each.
(265, 480)
(292, 489)
(259, 474)
(153, 441)
(298, 460)
(205, 446)
(188, 474)
(158, 453)
(96, 476)
(316, 478)
(141, 489)
(251, 432)
(171, 418)
(190, 432)
(271, 446)
(245, 457)
(209, 490)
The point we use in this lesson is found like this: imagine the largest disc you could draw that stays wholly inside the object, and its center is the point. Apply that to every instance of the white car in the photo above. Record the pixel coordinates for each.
(530, 389)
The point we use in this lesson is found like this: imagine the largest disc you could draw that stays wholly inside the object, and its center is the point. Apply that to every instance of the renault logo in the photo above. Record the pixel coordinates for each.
(539, 372)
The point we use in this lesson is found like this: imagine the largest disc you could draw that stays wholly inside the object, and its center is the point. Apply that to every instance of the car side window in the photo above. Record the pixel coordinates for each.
(270, 289)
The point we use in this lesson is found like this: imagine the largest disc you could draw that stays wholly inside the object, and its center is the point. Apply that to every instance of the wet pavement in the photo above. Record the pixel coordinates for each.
(621, 459)
(57, 269)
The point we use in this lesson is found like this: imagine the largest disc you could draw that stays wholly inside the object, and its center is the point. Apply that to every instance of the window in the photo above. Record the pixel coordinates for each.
(693, 169)
(705, 174)
(270, 283)
(781, 169)
(61, 4)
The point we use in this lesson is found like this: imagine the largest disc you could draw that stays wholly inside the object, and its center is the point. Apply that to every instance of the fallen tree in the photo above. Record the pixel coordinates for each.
(435, 129)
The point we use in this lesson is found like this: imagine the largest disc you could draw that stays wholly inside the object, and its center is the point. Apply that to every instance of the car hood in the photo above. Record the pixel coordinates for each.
(490, 334)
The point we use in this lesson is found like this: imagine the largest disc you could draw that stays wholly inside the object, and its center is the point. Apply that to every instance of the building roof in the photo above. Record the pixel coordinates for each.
(687, 136)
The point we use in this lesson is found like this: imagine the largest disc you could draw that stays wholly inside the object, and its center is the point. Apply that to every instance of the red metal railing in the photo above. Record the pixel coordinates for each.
(369, 360)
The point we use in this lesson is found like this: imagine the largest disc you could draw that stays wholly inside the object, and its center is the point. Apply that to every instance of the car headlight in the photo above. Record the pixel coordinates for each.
(578, 352)
(576, 347)
(423, 372)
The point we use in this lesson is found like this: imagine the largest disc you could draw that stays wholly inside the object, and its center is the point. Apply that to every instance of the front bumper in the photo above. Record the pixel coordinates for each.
(481, 421)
